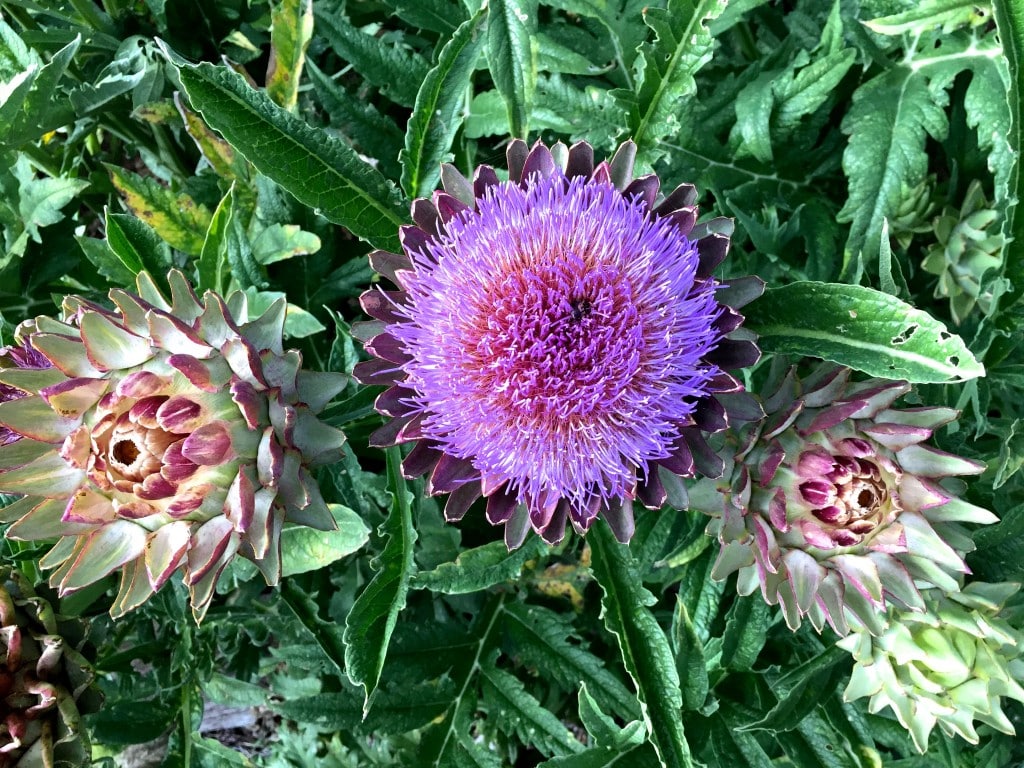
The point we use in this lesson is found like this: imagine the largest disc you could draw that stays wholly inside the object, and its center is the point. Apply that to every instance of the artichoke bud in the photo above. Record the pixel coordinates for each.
(948, 664)
(169, 434)
(968, 244)
(45, 684)
(834, 506)
(915, 211)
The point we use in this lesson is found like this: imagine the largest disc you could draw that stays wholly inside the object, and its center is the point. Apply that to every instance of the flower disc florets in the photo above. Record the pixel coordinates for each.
(950, 663)
(557, 341)
(168, 434)
(833, 506)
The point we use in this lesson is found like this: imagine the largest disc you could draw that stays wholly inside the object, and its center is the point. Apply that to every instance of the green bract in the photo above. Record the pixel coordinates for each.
(169, 434)
(45, 685)
(950, 663)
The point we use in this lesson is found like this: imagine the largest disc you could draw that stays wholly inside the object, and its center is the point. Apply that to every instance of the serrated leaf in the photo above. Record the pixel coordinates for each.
(35, 105)
(218, 153)
(291, 27)
(643, 756)
(541, 638)
(40, 200)
(1009, 16)
(372, 619)
(318, 169)
(137, 246)
(802, 689)
(512, 58)
(479, 568)
(665, 71)
(690, 664)
(802, 93)
(753, 115)
(643, 644)
(590, 114)
(396, 70)
(434, 122)
(179, 220)
(516, 712)
(106, 262)
(442, 16)
(304, 549)
(863, 329)
(746, 630)
(736, 748)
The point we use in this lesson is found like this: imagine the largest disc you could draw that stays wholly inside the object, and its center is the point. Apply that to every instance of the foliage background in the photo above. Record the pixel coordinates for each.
(268, 146)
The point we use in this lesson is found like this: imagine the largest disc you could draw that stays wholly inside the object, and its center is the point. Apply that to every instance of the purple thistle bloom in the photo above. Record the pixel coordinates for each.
(556, 342)
(20, 357)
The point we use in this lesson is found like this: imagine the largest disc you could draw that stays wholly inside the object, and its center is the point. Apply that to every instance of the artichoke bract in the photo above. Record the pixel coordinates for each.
(558, 343)
(950, 663)
(45, 684)
(169, 434)
(833, 505)
(23, 356)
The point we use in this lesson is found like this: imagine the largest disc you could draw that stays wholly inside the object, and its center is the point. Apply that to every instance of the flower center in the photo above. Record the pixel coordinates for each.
(851, 500)
(557, 341)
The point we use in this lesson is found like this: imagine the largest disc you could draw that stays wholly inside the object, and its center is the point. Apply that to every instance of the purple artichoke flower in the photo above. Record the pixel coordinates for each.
(833, 505)
(24, 357)
(169, 434)
(557, 343)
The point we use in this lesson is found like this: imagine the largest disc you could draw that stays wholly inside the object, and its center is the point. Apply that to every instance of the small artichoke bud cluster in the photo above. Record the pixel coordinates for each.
(968, 244)
(45, 684)
(914, 214)
(950, 663)
(833, 504)
(169, 433)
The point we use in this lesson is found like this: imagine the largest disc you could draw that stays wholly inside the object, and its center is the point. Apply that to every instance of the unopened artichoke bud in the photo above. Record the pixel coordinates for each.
(914, 214)
(950, 663)
(833, 506)
(45, 684)
(968, 245)
(169, 434)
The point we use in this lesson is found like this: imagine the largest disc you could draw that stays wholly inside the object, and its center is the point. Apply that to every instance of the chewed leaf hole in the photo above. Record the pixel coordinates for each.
(904, 336)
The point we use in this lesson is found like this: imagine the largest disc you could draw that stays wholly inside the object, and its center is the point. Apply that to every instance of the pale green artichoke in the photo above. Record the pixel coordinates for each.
(834, 507)
(950, 663)
(170, 434)
(45, 684)
(968, 244)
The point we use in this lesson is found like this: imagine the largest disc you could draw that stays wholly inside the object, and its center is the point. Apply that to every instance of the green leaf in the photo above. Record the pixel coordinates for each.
(753, 116)
(442, 16)
(643, 756)
(40, 200)
(746, 630)
(137, 246)
(395, 69)
(303, 549)
(283, 241)
(603, 730)
(643, 644)
(374, 133)
(1009, 15)
(802, 689)
(516, 712)
(801, 94)
(212, 266)
(690, 664)
(106, 262)
(479, 568)
(326, 634)
(664, 71)
(736, 748)
(434, 121)
(177, 218)
(291, 27)
(372, 619)
(546, 640)
(512, 57)
(926, 16)
(863, 329)
(318, 169)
